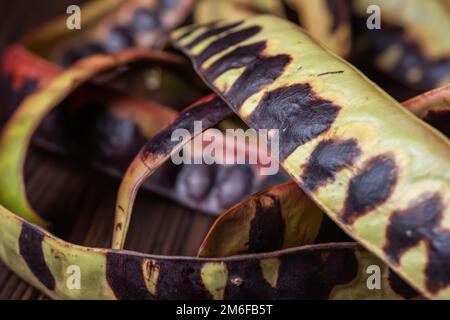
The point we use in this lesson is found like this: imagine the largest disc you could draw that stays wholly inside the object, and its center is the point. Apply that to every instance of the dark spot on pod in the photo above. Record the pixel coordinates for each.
(211, 32)
(327, 159)
(225, 42)
(30, 248)
(305, 275)
(316, 273)
(124, 276)
(330, 232)
(297, 113)
(190, 31)
(408, 227)
(210, 113)
(181, 280)
(196, 180)
(401, 287)
(440, 120)
(144, 20)
(421, 222)
(370, 188)
(253, 285)
(261, 71)
(233, 184)
(119, 38)
(267, 227)
(238, 58)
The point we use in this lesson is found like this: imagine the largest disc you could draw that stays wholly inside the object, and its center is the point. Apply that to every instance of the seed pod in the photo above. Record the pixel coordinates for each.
(369, 164)
(412, 43)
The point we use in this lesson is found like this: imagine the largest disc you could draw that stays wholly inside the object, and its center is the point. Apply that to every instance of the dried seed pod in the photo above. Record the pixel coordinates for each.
(388, 169)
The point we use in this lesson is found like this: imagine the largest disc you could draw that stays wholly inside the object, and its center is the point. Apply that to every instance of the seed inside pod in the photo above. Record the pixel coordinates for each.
(144, 20)
(118, 39)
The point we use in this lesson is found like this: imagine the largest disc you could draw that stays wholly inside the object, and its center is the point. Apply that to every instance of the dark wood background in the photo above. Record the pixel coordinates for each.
(85, 198)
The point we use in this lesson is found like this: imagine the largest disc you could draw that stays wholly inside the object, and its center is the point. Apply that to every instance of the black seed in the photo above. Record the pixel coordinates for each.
(197, 179)
(234, 184)
(94, 128)
(118, 39)
(144, 20)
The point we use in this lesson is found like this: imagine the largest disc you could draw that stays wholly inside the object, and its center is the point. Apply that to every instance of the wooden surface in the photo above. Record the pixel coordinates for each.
(80, 200)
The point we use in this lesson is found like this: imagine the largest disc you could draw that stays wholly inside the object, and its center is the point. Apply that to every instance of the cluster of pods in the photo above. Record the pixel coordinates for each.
(365, 179)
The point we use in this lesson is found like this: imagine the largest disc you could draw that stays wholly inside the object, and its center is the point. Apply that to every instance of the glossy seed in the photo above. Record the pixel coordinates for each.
(197, 179)
(234, 183)
(118, 39)
(144, 20)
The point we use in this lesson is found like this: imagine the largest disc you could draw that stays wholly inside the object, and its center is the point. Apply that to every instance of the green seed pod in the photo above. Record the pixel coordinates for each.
(373, 167)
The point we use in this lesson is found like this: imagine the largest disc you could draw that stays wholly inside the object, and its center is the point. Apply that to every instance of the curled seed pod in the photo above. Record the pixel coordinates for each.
(25, 120)
(41, 259)
(411, 45)
(340, 140)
